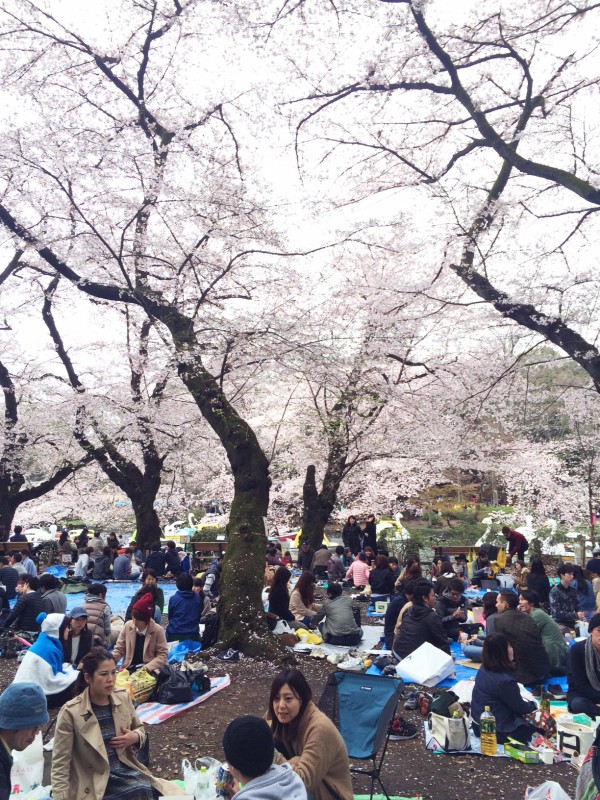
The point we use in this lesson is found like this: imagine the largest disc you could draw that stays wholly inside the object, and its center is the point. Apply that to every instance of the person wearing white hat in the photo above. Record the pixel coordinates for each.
(23, 710)
(43, 663)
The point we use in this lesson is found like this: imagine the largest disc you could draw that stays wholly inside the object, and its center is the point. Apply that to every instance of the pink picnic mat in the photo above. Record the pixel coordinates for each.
(155, 713)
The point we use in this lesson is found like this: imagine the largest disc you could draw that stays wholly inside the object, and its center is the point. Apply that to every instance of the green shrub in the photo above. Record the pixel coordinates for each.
(209, 534)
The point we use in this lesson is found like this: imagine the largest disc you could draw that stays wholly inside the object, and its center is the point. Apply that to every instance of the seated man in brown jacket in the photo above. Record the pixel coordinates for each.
(142, 641)
(532, 664)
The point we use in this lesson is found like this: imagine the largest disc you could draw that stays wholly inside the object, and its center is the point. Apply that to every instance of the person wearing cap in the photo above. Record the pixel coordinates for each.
(583, 694)
(23, 711)
(75, 638)
(593, 565)
(43, 663)
(142, 641)
(249, 749)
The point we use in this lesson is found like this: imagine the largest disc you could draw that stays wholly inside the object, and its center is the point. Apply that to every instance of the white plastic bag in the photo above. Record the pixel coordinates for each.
(191, 774)
(549, 790)
(428, 665)
(281, 627)
(27, 772)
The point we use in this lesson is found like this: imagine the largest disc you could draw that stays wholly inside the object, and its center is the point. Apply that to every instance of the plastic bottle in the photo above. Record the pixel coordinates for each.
(487, 728)
(203, 785)
(544, 701)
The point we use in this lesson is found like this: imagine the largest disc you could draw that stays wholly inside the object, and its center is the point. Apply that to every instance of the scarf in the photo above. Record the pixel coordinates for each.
(592, 664)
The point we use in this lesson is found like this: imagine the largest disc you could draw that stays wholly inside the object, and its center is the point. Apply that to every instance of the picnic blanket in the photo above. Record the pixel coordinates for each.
(371, 636)
(155, 713)
(432, 746)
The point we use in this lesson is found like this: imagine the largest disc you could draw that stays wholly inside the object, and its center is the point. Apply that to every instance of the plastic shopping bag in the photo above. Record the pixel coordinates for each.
(427, 665)
(27, 772)
(191, 773)
(549, 790)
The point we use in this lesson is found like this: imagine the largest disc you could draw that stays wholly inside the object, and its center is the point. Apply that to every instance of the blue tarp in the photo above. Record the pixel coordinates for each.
(118, 594)
(181, 649)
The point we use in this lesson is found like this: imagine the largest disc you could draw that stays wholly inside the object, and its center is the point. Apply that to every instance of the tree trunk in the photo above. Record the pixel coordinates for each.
(147, 524)
(242, 622)
(8, 509)
(317, 508)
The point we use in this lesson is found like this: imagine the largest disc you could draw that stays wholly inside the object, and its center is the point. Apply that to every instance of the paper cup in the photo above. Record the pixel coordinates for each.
(547, 756)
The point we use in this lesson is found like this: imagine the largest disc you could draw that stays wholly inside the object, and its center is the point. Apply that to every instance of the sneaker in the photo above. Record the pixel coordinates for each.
(318, 652)
(229, 655)
(352, 665)
(412, 701)
(401, 729)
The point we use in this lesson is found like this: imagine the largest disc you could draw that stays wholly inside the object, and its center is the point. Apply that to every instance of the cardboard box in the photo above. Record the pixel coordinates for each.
(522, 752)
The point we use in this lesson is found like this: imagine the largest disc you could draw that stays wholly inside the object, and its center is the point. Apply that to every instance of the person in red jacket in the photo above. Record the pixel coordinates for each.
(517, 543)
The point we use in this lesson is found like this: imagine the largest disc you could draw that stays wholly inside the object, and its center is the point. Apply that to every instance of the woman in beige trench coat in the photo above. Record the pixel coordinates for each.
(92, 756)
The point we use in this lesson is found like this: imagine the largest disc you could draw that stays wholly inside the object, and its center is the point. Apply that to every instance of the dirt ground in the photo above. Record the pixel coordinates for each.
(409, 769)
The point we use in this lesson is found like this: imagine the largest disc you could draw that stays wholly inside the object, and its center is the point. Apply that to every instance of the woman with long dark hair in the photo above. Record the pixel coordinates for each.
(307, 739)
(97, 734)
(302, 599)
(496, 687)
(381, 578)
(279, 598)
(537, 580)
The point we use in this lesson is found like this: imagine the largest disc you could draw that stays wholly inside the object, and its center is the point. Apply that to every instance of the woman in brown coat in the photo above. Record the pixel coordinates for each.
(93, 756)
(141, 640)
(307, 739)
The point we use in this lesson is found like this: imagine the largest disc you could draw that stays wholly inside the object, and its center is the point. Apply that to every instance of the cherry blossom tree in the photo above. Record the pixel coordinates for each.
(455, 110)
(134, 192)
(37, 453)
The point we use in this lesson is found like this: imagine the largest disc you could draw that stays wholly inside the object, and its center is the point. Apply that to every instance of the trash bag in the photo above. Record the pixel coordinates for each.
(172, 687)
(549, 790)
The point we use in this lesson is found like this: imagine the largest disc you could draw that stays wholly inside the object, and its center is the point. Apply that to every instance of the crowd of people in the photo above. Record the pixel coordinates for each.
(295, 749)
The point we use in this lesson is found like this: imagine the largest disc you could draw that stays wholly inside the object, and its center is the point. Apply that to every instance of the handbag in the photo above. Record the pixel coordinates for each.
(452, 734)
(173, 687)
(442, 702)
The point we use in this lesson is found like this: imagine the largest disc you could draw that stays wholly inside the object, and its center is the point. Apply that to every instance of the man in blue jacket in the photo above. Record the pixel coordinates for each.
(185, 610)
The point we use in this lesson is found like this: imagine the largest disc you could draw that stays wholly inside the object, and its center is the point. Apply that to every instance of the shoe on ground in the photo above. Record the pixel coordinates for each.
(412, 701)
(401, 729)
(229, 655)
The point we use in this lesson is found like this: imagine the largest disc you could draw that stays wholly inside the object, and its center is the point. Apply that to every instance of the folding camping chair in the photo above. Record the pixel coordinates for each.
(361, 707)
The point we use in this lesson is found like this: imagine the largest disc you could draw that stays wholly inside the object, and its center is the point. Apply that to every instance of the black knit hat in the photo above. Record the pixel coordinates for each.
(248, 745)
(594, 623)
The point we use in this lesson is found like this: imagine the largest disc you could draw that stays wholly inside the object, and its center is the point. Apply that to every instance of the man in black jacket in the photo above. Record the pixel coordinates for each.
(305, 557)
(18, 535)
(157, 560)
(451, 607)
(532, 664)
(421, 624)
(9, 577)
